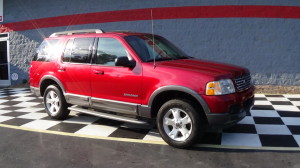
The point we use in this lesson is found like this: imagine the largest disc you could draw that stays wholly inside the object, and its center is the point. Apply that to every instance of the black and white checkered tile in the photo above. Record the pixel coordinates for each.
(274, 121)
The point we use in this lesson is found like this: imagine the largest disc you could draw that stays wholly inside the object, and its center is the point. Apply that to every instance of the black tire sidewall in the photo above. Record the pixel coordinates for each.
(197, 122)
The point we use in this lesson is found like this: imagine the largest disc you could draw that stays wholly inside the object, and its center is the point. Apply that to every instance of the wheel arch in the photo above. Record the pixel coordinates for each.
(163, 94)
(50, 80)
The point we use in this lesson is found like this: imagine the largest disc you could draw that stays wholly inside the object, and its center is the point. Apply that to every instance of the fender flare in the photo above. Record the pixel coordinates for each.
(187, 90)
(54, 79)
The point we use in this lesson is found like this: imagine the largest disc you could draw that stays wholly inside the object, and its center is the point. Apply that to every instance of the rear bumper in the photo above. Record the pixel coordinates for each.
(35, 91)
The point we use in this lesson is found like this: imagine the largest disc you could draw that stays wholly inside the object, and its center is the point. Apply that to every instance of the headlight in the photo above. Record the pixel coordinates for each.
(220, 87)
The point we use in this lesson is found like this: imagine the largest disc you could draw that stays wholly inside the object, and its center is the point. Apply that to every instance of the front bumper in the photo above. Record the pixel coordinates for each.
(227, 110)
(234, 115)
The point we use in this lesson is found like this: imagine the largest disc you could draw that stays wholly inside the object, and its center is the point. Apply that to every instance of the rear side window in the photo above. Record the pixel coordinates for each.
(78, 50)
(46, 51)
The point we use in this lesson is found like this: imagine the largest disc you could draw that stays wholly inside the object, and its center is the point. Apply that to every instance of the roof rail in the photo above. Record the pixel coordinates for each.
(71, 32)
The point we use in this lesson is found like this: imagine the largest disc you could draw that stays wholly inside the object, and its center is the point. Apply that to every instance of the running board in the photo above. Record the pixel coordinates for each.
(108, 116)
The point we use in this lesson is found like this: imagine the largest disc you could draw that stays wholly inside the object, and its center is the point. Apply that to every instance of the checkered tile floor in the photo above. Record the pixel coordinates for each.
(274, 121)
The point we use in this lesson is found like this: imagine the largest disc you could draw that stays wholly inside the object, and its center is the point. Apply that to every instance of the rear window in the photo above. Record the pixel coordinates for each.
(46, 50)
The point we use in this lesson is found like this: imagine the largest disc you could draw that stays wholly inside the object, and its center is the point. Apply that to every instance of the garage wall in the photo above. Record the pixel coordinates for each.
(268, 46)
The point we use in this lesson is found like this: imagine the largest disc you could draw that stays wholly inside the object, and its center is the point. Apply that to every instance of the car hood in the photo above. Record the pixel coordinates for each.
(204, 67)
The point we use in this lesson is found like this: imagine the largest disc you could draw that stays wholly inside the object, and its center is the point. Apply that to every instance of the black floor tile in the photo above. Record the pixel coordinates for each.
(241, 128)
(294, 99)
(261, 98)
(211, 138)
(17, 121)
(14, 114)
(268, 120)
(133, 133)
(289, 113)
(108, 122)
(281, 103)
(295, 129)
(278, 140)
(263, 107)
(274, 95)
(67, 127)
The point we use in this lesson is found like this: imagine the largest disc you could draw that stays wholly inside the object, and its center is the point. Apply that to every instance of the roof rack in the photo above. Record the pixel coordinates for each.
(71, 32)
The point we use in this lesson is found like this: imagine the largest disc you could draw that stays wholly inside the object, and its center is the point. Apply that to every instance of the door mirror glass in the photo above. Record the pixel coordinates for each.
(125, 62)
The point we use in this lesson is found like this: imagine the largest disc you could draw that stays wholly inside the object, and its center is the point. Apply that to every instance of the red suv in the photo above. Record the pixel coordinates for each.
(138, 77)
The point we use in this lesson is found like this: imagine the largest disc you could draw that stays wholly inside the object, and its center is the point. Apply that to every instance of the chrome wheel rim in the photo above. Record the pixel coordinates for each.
(52, 102)
(177, 124)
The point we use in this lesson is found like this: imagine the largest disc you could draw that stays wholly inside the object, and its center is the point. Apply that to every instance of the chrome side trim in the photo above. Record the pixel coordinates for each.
(77, 99)
(193, 93)
(109, 116)
(113, 105)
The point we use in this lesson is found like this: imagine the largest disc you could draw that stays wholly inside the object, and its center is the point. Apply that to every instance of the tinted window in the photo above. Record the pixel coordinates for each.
(108, 50)
(68, 51)
(46, 50)
(78, 50)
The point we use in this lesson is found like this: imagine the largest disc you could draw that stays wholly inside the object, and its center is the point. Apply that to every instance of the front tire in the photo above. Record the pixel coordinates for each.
(55, 103)
(180, 124)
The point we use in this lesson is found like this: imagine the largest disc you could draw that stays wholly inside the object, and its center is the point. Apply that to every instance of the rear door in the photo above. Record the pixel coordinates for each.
(75, 70)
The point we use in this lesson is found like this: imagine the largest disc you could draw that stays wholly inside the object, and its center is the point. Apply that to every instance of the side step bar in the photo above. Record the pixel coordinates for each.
(108, 116)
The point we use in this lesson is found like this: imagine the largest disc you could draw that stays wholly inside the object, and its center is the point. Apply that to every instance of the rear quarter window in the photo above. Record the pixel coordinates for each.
(46, 50)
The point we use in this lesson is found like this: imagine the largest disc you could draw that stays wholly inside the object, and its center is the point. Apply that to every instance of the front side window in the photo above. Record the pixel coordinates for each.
(46, 50)
(108, 50)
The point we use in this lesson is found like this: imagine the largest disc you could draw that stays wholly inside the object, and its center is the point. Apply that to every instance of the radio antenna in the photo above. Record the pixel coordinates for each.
(152, 23)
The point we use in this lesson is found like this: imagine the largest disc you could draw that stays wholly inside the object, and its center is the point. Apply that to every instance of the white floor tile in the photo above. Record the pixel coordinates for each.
(260, 95)
(5, 118)
(297, 138)
(40, 124)
(247, 120)
(29, 109)
(239, 139)
(3, 101)
(26, 104)
(272, 129)
(96, 130)
(5, 111)
(277, 99)
(291, 120)
(153, 135)
(264, 113)
(285, 108)
(257, 102)
(3, 106)
(296, 103)
(21, 94)
(34, 116)
(82, 119)
(292, 96)
(23, 99)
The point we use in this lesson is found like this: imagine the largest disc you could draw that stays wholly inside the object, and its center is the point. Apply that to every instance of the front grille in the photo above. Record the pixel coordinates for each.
(243, 82)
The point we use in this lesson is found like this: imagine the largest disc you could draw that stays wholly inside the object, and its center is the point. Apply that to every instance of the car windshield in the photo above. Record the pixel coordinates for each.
(149, 47)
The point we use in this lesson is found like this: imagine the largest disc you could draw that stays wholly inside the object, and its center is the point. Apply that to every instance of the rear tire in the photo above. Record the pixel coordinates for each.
(55, 103)
(180, 124)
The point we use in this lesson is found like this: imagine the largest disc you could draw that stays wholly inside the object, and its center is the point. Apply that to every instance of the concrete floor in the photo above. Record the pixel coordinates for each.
(21, 148)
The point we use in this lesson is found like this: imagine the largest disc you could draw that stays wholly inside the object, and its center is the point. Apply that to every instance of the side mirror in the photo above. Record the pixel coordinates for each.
(124, 61)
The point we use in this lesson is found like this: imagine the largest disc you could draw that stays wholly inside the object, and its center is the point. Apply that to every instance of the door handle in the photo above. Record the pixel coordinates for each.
(61, 69)
(98, 72)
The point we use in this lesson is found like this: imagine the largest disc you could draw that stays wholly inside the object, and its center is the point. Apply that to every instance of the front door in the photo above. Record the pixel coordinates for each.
(114, 88)
(4, 62)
